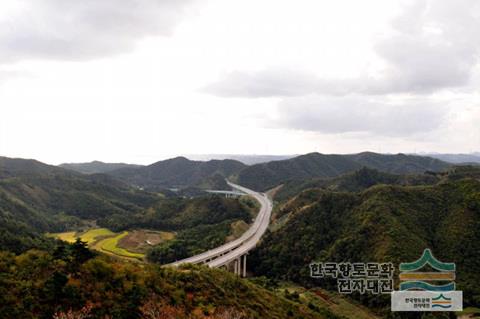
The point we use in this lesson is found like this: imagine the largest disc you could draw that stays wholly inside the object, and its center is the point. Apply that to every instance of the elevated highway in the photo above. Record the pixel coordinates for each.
(235, 252)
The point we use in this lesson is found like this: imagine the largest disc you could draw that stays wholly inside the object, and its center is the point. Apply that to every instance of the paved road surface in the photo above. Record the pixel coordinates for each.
(244, 243)
(253, 240)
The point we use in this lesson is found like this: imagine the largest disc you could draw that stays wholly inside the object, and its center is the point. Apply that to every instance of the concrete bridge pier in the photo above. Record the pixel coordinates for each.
(240, 266)
(244, 266)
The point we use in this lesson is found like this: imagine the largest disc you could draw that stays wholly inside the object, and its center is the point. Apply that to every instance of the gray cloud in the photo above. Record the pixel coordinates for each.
(433, 47)
(358, 114)
(86, 29)
(274, 82)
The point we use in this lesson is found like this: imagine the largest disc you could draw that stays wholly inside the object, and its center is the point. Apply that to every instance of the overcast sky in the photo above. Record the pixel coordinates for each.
(142, 80)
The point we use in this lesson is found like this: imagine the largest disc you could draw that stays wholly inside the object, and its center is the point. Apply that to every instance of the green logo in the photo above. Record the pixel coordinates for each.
(412, 279)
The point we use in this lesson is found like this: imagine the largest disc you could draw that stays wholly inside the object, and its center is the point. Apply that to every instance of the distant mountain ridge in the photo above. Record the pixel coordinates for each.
(96, 167)
(456, 158)
(180, 172)
(37, 198)
(247, 159)
(312, 165)
(355, 182)
(15, 167)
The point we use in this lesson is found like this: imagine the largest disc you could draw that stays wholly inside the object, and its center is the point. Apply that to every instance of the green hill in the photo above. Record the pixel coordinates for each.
(17, 167)
(52, 190)
(174, 214)
(398, 163)
(36, 198)
(383, 224)
(180, 172)
(354, 182)
(70, 280)
(201, 224)
(315, 165)
(96, 167)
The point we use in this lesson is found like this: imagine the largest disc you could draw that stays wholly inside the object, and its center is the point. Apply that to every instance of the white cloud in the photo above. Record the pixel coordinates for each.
(376, 116)
(84, 99)
(267, 83)
(431, 47)
(86, 29)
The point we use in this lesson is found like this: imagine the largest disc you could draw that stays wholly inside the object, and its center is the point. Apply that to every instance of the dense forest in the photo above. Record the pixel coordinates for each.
(356, 181)
(363, 215)
(315, 165)
(45, 278)
(180, 172)
(384, 223)
(71, 282)
(36, 198)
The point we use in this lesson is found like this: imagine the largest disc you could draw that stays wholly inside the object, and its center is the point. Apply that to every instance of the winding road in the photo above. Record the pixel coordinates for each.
(225, 254)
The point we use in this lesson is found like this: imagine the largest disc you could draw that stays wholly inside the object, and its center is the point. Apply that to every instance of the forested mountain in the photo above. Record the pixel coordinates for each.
(180, 213)
(268, 175)
(180, 172)
(37, 198)
(200, 224)
(398, 163)
(17, 167)
(60, 280)
(348, 212)
(384, 223)
(96, 167)
(72, 283)
(355, 181)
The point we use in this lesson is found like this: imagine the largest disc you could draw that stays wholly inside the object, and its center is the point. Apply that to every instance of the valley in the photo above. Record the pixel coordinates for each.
(127, 244)
(186, 159)
(357, 213)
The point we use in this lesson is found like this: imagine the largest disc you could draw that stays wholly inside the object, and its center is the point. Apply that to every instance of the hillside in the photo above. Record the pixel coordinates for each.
(384, 224)
(200, 224)
(354, 182)
(398, 163)
(180, 172)
(72, 280)
(60, 280)
(96, 167)
(45, 198)
(315, 165)
(17, 167)
(37, 198)
(179, 213)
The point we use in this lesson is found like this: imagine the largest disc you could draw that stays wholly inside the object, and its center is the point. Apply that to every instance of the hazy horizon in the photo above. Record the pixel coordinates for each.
(139, 83)
(245, 158)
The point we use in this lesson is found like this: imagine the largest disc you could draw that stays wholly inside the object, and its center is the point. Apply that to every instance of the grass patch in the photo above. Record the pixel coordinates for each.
(92, 235)
(104, 240)
(111, 245)
(69, 237)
